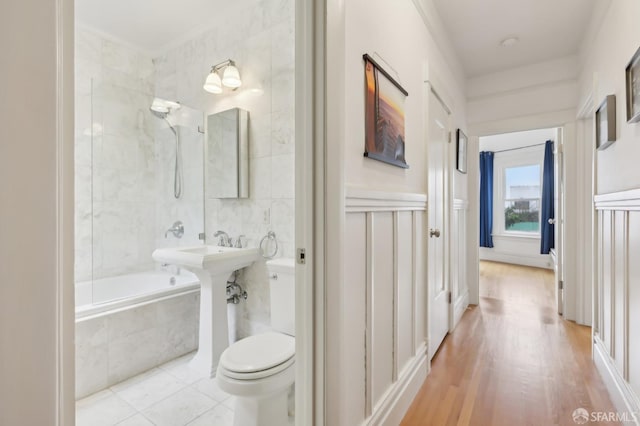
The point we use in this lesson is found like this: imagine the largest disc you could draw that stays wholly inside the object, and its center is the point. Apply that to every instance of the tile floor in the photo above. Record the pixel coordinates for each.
(169, 395)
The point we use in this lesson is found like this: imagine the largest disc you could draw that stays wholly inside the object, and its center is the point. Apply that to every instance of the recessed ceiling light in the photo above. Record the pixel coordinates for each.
(509, 41)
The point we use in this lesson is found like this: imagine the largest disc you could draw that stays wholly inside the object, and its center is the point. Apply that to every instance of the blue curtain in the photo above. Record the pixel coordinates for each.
(486, 198)
(548, 209)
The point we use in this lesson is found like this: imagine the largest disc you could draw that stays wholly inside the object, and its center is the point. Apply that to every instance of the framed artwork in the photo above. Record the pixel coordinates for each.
(384, 116)
(461, 151)
(632, 73)
(606, 122)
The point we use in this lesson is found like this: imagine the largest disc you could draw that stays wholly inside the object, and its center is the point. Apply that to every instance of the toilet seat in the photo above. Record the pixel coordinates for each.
(258, 356)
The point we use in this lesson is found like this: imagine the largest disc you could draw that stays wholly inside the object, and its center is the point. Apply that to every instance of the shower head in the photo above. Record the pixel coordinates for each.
(161, 107)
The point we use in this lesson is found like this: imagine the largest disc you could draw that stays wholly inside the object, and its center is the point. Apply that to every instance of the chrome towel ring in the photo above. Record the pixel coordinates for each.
(270, 237)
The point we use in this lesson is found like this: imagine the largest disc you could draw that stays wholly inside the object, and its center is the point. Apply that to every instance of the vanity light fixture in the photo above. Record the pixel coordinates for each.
(230, 77)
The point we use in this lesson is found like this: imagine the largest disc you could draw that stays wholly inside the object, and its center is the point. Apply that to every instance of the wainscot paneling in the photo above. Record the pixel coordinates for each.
(616, 332)
(459, 287)
(382, 353)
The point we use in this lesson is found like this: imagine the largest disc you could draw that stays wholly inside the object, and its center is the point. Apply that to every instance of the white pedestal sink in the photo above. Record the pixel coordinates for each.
(212, 265)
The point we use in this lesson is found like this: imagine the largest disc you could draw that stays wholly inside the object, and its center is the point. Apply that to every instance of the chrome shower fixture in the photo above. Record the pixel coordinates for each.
(161, 107)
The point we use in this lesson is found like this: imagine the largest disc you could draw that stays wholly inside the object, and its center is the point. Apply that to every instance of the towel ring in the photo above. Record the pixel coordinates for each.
(271, 236)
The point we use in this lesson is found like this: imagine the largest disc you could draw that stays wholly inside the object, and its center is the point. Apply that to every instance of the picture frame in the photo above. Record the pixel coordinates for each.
(632, 78)
(384, 116)
(606, 122)
(461, 151)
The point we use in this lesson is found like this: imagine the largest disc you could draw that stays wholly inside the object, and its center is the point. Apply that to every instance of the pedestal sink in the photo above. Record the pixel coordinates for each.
(212, 265)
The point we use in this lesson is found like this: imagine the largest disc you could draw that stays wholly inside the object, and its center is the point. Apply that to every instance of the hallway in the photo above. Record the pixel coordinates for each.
(511, 360)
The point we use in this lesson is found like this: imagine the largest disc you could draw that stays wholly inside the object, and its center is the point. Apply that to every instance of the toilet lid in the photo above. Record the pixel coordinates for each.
(259, 352)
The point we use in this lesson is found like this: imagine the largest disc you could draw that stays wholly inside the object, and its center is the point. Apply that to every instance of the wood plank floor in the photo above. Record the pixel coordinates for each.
(511, 360)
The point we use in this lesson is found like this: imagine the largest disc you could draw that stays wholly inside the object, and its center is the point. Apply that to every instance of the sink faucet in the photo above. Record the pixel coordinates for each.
(223, 240)
(238, 243)
(177, 229)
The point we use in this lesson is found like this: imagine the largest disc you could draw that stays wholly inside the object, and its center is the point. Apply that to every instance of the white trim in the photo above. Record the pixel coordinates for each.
(460, 306)
(364, 200)
(64, 140)
(459, 204)
(541, 261)
(394, 403)
(621, 200)
(309, 220)
(622, 396)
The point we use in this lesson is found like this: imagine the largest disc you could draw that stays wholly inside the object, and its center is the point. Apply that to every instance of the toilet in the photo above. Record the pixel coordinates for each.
(259, 370)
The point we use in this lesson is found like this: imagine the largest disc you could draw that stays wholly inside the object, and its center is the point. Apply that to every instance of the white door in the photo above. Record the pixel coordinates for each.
(437, 272)
(558, 197)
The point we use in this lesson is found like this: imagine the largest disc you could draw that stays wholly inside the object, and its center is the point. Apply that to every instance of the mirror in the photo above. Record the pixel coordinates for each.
(227, 154)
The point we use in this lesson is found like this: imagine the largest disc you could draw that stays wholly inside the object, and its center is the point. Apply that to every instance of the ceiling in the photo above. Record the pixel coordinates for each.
(546, 29)
(149, 25)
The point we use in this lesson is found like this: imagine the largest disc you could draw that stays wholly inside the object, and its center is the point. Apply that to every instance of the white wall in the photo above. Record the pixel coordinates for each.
(37, 197)
(617, 37)
(377, 310)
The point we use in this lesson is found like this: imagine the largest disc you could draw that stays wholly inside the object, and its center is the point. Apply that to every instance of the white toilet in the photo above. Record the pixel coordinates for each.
(260, 369)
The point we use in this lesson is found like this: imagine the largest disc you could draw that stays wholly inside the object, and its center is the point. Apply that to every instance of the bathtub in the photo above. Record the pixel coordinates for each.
(129, 324)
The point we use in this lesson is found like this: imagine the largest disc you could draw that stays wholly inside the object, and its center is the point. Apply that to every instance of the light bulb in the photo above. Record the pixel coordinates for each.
(213, 83)
(231, 77)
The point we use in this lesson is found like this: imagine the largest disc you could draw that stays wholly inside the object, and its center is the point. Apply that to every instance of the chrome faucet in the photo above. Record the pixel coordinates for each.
(177, 229)
(238, 243)
(223, 239)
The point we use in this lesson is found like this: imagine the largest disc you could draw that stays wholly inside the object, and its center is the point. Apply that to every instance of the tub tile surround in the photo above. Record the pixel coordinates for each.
(112, 348)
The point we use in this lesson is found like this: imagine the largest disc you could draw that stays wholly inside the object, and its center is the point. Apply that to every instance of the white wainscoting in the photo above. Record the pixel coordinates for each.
(380, 350)
(459, 285)
(616, 325)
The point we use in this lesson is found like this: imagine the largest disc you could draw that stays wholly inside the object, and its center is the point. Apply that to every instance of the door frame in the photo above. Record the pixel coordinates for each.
(310, 142)
(431, 90)
(566, 122)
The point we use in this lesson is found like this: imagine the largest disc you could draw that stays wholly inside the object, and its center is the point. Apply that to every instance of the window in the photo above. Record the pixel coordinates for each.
(522, 199)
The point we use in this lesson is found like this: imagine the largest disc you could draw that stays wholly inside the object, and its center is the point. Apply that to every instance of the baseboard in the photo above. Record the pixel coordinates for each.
(540, 261)
(396, 401)
(623, 397)
(459, 307)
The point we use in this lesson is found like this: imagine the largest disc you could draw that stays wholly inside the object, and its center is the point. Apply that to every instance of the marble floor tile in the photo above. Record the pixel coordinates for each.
(146, 389)
(137, 420)
(180, 408)
(102, 409)
(210, 388)
(180, 369)
(218, 416)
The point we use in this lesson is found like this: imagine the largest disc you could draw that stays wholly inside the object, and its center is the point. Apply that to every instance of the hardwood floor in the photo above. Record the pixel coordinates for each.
(511, 360)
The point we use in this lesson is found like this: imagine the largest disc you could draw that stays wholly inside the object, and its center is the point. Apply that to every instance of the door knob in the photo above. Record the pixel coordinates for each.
(434, 233)
(551, 221)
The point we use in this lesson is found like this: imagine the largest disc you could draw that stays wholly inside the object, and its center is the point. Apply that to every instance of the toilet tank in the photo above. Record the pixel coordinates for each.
(283, 295)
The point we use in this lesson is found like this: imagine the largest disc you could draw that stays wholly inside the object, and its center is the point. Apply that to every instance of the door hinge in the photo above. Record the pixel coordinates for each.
(561, 285)
(301, 256)
(449, 296)
(450, 137)
(201, 236)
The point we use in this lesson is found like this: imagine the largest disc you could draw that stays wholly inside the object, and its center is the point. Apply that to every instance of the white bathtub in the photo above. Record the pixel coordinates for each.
(108, 294)
(132, 323)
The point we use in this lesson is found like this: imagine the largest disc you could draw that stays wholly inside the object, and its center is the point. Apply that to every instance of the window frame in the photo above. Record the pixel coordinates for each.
(532, 156)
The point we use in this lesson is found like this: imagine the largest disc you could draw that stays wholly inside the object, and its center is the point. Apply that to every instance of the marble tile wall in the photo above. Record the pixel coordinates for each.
(261, 41)
(115, 158)
(113, 347)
